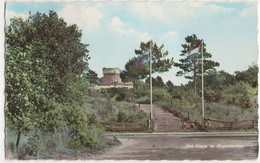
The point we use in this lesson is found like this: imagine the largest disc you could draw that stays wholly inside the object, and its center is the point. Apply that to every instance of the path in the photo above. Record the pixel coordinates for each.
(183, 147)
(166, 121)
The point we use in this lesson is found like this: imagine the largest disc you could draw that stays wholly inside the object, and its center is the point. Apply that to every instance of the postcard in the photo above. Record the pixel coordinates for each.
(131, 80)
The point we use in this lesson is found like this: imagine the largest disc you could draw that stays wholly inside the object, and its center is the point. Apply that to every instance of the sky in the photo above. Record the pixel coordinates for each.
(115, 29)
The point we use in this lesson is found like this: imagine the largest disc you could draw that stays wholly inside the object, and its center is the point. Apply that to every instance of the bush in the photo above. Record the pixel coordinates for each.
(120, 94)
(240, 94)
(121, 117)
(107, 110)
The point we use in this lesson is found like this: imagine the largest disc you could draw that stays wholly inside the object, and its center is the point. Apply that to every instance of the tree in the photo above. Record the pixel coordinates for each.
(157, 82)
(240, 93)
(249, 76)
(160, 63)
(132, 72)
(187, 67)
(169, 86)
(44, 59)
(91, 76)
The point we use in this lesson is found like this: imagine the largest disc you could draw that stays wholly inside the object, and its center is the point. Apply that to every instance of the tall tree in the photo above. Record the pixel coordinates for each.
(44, 60)
(160, 62)
(187, 67)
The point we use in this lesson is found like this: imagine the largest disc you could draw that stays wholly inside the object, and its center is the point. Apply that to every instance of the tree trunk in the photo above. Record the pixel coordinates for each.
(18, 139)
(134, 89)
(194, 77)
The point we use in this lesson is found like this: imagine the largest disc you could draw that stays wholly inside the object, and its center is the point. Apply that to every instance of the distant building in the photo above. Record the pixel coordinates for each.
(110, 76)
(111, 79)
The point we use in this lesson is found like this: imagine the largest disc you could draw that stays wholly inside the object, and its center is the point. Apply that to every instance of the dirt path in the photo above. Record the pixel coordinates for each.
(165, 121)
(182, 147)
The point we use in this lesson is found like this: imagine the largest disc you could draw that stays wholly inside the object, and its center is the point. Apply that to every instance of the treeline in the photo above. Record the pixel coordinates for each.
(220, 86)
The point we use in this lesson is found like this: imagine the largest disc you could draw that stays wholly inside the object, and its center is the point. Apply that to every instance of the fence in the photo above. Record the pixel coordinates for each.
(120, 127)
(218, 125)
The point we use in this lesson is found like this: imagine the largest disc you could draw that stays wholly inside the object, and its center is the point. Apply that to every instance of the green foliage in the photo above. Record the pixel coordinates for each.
(132, 72)
(248, 76)
(241, 93)
(90, 76)
(156, 82)
(121, 116)
(107, 110)
(160, 62)
(187, 67)
(33, 144)
(44, 61)
(120, 94)
(160, 94)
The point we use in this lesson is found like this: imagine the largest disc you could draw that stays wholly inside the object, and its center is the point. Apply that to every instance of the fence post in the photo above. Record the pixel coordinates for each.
(139, 105)
(231, 125)
(253, 123)
(188, 115)
(171, 103)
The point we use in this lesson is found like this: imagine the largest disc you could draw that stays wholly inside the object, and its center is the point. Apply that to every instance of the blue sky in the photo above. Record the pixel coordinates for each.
(115, 29)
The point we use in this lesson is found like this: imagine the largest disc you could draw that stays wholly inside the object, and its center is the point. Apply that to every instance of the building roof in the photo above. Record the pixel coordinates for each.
(111, 70)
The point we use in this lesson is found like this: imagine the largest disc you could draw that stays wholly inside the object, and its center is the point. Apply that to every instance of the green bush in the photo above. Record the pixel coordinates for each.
(240, 94)
(120, 94)
(107, 110)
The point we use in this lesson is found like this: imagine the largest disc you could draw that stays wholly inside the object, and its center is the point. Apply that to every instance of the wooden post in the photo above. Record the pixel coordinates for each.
(139, 105)
(188, 115)
(171, 103)
(231, 125)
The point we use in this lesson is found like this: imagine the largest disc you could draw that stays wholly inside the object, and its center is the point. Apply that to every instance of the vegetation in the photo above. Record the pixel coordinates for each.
(187, 66)
(226, 98)
(45, 95)
(108, 109)
(90, 76)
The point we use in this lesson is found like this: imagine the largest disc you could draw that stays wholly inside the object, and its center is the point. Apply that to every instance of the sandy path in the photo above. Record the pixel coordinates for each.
(165, 121)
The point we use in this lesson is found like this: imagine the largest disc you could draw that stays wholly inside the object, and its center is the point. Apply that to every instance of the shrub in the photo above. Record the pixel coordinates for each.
(241, 94)
(33, 144)
(121, 117)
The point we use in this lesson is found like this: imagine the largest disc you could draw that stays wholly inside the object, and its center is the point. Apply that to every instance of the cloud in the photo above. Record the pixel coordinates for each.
(144, 37)
(248, 12)
(86, 17)
(12, 14)
(118, 26)
(169, 34)
(149, 10)
(216, 8)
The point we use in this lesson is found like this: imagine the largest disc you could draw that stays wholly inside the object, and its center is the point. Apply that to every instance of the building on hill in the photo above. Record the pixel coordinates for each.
(110, 76)
(111, 79)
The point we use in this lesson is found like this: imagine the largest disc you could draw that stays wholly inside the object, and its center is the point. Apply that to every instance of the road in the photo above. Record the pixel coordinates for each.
(183, 146)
